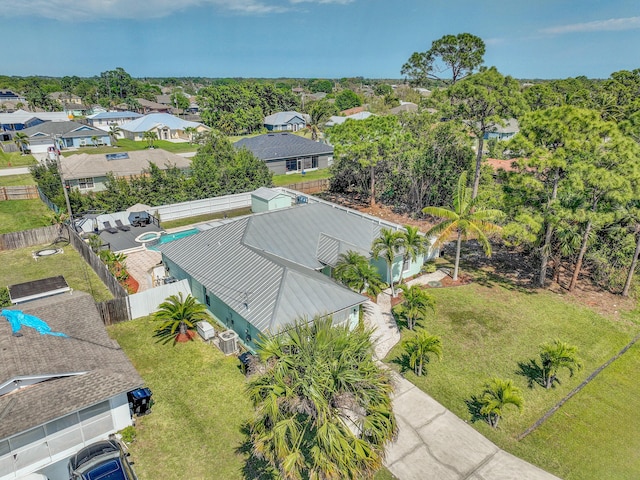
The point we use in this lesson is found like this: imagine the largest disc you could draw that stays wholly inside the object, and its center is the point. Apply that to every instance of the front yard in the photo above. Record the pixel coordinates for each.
(489, 327)
(15, 159)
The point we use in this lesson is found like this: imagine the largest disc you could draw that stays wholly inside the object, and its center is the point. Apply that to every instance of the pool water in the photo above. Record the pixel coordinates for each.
(170, 237)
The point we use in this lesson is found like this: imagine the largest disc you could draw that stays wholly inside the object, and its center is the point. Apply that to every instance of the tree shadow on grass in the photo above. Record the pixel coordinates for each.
(403, 362)
(474, 406)
(254, 468)
(532, 372)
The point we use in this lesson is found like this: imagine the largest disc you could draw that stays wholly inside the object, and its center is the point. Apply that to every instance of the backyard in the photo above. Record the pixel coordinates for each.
(491, 326)
(13, 180)
(17, 215)
(19, 266)
(126, 145)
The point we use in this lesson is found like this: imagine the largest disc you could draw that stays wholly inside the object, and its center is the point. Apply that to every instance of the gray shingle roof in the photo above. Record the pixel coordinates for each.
(65, 129)
(268, 262)
(274, 146)
(87, 348)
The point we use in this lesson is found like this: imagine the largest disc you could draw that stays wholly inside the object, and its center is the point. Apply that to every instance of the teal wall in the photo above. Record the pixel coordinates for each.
(396, 269)
(259, 205)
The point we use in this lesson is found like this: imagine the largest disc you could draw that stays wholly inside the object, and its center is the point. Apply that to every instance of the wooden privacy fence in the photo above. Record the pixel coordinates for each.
(30, 238)
(18, 192)
(312, 186)
(114, 311)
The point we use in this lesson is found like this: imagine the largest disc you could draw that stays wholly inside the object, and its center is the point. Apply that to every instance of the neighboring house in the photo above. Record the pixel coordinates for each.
(404, 107)
(314, 97)
(285, 122)
(21, 119)
(334, 120)
(505, 132)
(88, 172)
(259, 274)
(288, 153)
(64, 135)
(352, 111)
(166, 126)
(9, 95)
(104, 120)
(148, 106)
(59, 394)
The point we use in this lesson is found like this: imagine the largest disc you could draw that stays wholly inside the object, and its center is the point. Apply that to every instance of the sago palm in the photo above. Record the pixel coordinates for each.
(388, 246)
(497, 395)
(466, 219)
(177, 315)
(323, 406)
(555, 356)
(420, 347)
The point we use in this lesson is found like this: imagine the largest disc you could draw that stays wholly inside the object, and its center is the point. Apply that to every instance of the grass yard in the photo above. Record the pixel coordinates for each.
(17, 215)
(195, 429)
(18, 266)
(488, 328)
(182, 222)
(126, 145)
(15, 159)
(15, 180)
(282, 180)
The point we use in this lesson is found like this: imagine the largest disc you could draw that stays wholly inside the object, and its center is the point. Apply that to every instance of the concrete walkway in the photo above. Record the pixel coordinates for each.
(5, 172)
(432, 442)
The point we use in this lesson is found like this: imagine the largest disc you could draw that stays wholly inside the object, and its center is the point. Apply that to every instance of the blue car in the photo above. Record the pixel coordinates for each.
(103, 460)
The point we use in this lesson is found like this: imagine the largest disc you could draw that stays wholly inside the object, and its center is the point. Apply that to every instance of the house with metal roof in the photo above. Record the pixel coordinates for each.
(165, 125)
(285, 122)
(104, 120)
(59, 394)
(336, 120)
(288, 153)
(503, 132)
(64, 135)
(88, 171)
(259, 274)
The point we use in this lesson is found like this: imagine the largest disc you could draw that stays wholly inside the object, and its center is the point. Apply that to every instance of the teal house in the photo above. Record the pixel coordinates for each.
(258, 274)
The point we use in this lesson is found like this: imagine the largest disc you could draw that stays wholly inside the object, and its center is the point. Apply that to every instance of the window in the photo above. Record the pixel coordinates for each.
(84, 183)
(292, 165)
(314, 161)
(207, 300)
(406, 264)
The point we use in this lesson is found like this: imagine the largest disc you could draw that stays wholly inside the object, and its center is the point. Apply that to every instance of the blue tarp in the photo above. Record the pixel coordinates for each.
(18, 319)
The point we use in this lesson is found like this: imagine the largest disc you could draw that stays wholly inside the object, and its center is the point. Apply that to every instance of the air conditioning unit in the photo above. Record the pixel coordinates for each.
(205, 330)
(228, 342)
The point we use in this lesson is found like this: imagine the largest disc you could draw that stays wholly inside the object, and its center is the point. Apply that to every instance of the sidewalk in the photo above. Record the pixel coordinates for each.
(4, 172)
(432, 442)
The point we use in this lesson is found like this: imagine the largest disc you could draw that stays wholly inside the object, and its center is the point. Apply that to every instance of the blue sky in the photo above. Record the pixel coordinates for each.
(313, 38)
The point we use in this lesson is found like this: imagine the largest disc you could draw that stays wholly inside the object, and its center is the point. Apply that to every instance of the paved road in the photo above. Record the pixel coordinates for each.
(432, 442)
(13, 171)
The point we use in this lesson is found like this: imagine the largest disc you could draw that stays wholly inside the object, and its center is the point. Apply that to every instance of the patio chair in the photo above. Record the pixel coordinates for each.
(121, 226)
(109, 228)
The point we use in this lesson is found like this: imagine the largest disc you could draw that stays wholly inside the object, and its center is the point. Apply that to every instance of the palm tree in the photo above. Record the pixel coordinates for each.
(179, 317)
(416, 305)
(419, 347)
(466, 218)
(114, 131)
(150, 137)
(94, 140)
(557, 355)
(387, 246)
(21, 140)
(354, 270)
(498, 394)
(414, 244)
(191, 131)
(323, 406)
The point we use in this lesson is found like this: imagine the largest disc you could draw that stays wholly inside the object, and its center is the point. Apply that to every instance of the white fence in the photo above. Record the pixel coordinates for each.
(206, 206)
(147, 302)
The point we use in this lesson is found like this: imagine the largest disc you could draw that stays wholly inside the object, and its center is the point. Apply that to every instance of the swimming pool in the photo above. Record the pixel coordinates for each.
(170, 237)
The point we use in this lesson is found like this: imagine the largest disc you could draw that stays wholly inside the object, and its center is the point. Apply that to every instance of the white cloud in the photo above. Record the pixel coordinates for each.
(88, 10)
(611, 24)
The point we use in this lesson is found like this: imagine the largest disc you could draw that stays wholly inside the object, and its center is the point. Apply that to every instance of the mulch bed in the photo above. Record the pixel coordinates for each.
(131, 284)
(185, 337)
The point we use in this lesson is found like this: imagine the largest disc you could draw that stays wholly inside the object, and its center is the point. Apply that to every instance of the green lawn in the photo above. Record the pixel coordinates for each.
(487, 328)
(204, 218)
(282, 180)
(15, 159)
(126, 145)
(14, 180)
(17, 215)
(195, 428)
(18, 266)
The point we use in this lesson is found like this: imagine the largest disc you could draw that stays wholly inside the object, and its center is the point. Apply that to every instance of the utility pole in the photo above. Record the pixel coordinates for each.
(64, 187)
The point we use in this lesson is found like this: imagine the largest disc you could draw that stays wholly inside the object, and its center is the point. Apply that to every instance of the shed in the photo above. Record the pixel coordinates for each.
(266, 199)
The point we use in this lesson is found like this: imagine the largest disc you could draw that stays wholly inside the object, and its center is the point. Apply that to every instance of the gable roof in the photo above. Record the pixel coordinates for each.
(155, 105)
(113, 115)
(283, 118)
(154, 120)
(100, 368)
(273, 146)
(133, 163)
(64, 129)
(22, 116)
(264, 266)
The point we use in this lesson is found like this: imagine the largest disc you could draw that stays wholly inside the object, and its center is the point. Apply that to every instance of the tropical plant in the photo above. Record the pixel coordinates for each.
(22, 141)
(387, 246)
(555, 356)
(178, 315)
(114, 131)
(416, 305)
(354, 270)
(413, 244)
(419, 347)
(94, 140)
(150, 137)
(323, 406)
(95, 242)
(191, 131)
(467, 219)
(497, 395)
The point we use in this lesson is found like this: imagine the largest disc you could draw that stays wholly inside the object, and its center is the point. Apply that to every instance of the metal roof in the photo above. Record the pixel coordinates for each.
(265, 193)
(114, 115)
(273, 146)
(283, 118)
(268, 287)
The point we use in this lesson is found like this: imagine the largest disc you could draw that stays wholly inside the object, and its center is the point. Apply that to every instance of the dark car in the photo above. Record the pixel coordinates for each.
(103, 460)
